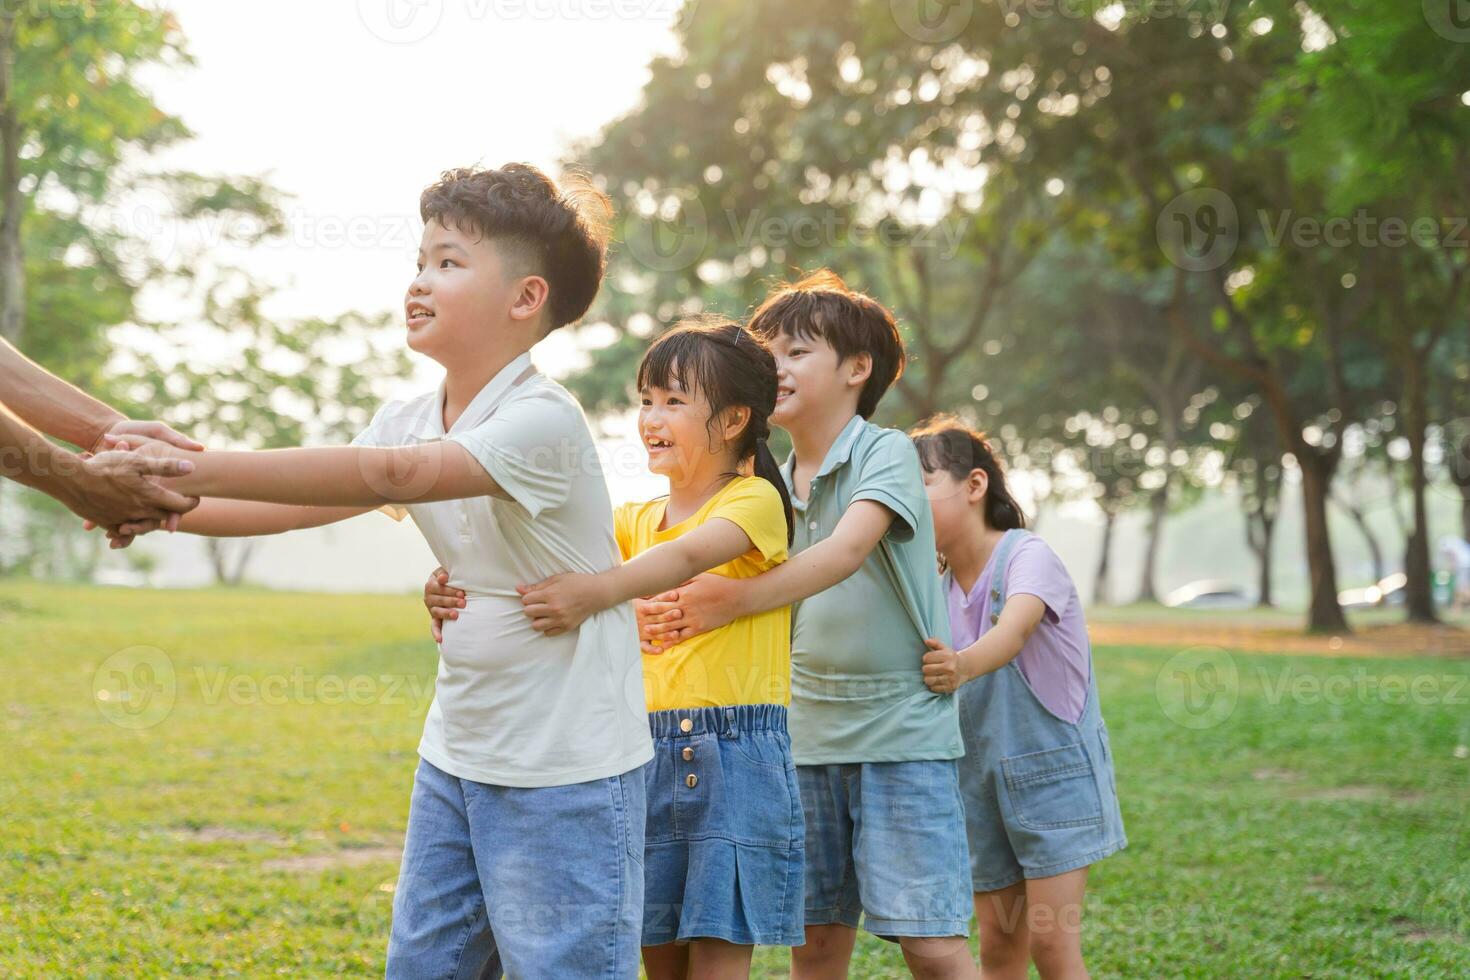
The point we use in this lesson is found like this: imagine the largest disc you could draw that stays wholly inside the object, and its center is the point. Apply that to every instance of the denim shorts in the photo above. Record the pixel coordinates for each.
(886, 841)
(725, 856)
(521, 882)
(1040, 813)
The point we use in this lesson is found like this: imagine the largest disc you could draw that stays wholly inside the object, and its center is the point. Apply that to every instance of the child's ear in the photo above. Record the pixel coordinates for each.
(860, 369)
(735, 420)
(979, 485)
(529, 298)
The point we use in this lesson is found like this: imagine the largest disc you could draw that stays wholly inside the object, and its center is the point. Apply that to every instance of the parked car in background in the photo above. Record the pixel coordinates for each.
(1209, 594)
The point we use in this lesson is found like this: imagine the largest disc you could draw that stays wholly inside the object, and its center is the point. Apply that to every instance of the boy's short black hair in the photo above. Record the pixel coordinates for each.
(558, 233)
(821, 305)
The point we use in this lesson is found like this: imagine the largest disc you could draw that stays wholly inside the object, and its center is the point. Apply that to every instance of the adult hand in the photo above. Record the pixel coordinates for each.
(162, 443)
(149, 431)
(116, 489)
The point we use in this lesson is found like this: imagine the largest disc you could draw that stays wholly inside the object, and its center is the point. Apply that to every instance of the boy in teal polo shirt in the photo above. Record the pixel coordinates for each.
(874, 747)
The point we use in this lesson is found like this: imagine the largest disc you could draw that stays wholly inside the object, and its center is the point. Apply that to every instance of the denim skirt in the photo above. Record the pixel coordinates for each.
(725, 851)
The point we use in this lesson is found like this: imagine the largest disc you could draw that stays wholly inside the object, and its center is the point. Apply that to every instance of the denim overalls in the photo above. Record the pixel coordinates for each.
(1039, 792)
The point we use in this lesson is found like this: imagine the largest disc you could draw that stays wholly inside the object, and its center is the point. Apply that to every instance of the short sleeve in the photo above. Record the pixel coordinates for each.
(531, 447)
(624, 516)
(889, 474)
(755, 507)
(376, 436)
(1035, 569)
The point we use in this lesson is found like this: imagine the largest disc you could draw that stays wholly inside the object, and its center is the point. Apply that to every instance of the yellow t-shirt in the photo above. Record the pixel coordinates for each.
(747, 661)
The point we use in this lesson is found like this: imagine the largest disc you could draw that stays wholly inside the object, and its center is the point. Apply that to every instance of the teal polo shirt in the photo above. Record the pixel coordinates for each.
(857, 649)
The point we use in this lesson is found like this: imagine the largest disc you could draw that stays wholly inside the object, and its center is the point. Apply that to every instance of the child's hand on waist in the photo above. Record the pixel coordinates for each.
(562, 602)
(442, 601)
(705, 602)
(945, 671)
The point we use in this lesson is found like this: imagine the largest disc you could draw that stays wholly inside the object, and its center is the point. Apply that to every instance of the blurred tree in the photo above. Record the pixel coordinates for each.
(273, 384)
(1253, 466)
(1187, 145)
(85, 228)
(1375, 113)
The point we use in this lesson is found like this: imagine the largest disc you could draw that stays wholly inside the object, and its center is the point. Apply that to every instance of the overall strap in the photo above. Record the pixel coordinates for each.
(1002, 562)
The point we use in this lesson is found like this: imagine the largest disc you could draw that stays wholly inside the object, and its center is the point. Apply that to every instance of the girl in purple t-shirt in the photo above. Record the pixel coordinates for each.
(1037, 776)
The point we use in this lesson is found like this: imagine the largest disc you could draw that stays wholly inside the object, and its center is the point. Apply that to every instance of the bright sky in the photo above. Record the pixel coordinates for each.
(351, 107)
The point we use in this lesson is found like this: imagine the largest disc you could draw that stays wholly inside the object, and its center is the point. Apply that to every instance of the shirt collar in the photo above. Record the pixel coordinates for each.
(483, 403)
(841, 450)
(837, 455)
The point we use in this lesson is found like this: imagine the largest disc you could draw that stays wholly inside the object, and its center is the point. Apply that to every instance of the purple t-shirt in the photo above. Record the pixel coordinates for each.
(1056, 660)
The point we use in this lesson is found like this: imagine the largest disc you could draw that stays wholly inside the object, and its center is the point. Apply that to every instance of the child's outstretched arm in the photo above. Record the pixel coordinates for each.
(336, 476)
(562, 602)
(710, 601)
(221, 518)
(946, 670)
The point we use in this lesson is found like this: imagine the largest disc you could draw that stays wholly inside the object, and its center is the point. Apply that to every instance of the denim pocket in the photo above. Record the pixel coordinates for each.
(764, 749)
(634, 812)
(1053, 789)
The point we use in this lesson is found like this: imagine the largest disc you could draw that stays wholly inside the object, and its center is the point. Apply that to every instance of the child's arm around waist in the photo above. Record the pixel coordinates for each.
(946, 670)
(562, 602)
(710, 601)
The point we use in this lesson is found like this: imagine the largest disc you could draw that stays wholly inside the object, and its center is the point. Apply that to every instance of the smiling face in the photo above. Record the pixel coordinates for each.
(463, 299)
(674, 425)
(812, 381)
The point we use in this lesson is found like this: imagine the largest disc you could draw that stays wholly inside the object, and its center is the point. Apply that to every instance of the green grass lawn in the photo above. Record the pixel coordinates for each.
(216, 782)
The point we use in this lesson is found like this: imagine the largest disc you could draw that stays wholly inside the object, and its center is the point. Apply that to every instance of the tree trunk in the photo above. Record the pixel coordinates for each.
(1158, 505)
(219, 558)
(1100, 591)
(1267, 594)
(215, 548)
(1465, 512)
(245, 548)
(12, 264)
(1324, 614)
(1360, 520)
(1460, 474)
(1419, 592)
(1260, 532)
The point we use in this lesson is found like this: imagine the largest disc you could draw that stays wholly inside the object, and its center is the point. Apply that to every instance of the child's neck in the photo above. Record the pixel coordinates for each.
(812, 439)
(689, 495)
(968, 556)
(464, 380)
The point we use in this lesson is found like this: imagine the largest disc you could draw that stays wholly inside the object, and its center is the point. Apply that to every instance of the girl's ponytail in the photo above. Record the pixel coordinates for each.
(767, 468)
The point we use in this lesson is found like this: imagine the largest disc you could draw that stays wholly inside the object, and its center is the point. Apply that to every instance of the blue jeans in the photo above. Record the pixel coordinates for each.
(539, 882)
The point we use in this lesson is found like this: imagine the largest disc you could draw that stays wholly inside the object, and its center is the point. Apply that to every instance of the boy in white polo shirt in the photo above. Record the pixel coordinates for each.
(525, 833)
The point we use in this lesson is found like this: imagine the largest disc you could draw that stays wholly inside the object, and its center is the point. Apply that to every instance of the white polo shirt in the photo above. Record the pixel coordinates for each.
(514, 707)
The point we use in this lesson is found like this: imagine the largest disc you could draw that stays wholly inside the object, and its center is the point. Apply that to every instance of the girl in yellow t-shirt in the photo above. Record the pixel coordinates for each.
(723, 866)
